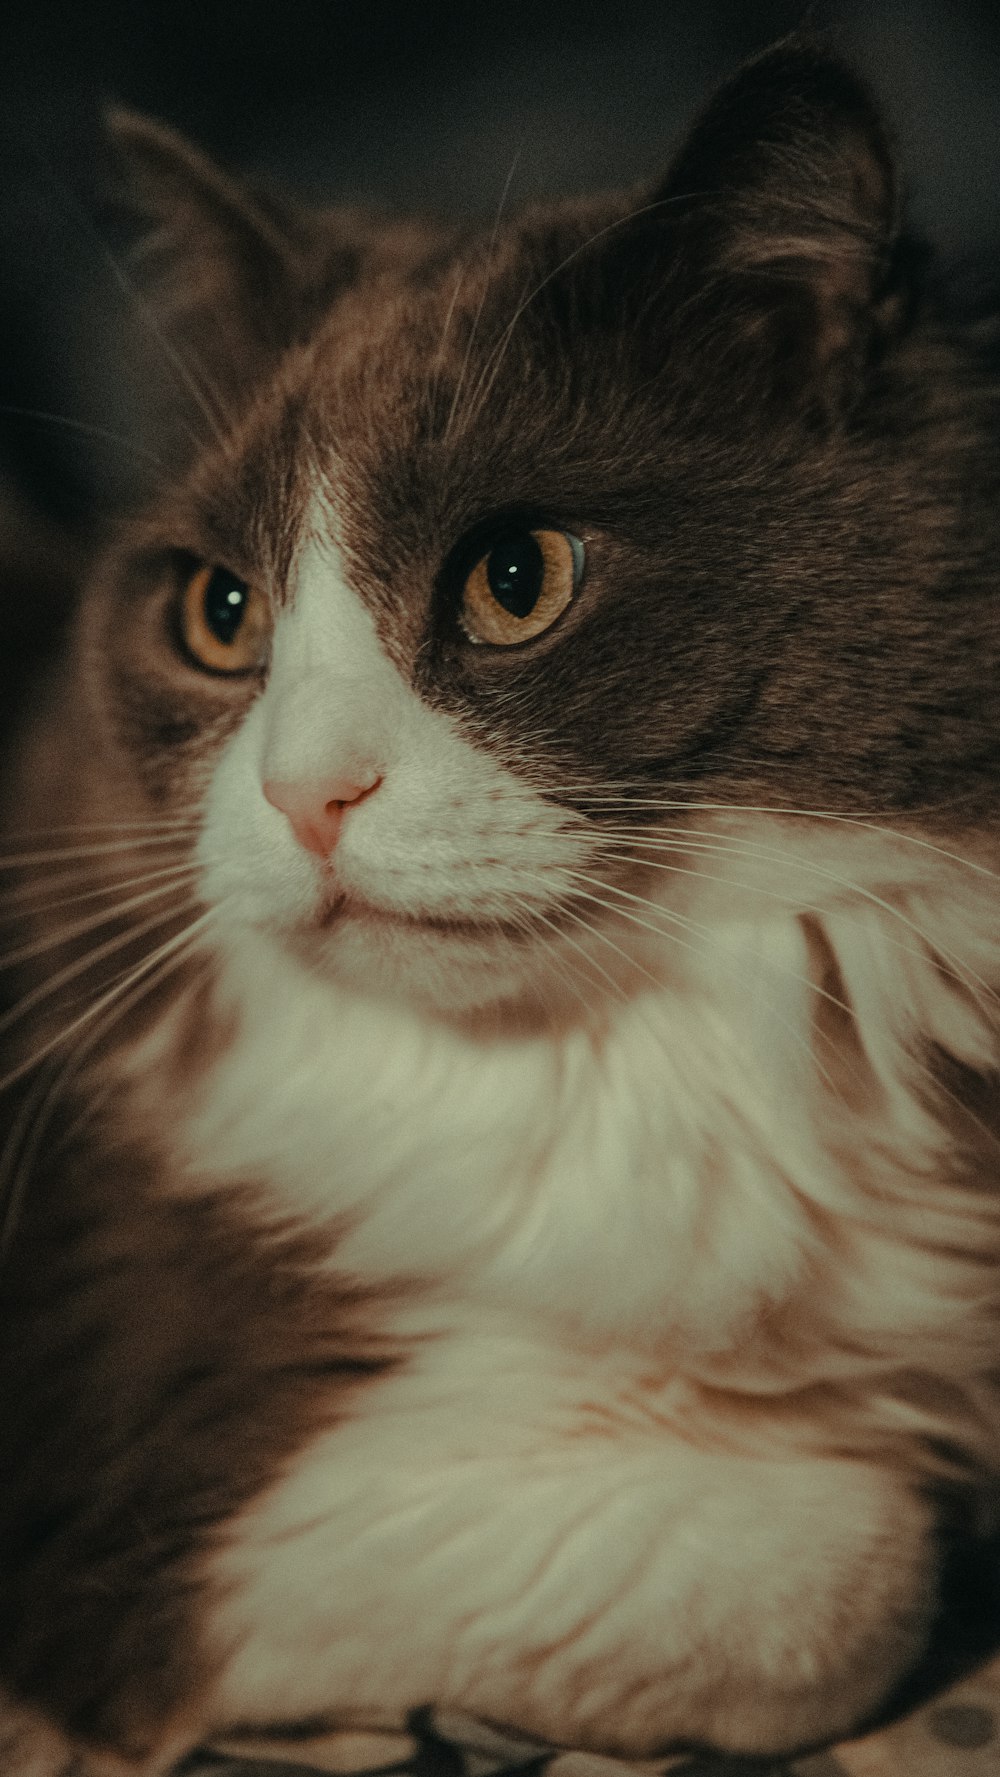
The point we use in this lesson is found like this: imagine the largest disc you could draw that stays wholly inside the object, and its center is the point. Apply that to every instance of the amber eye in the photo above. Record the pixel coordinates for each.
(225, 623)
(521, 585)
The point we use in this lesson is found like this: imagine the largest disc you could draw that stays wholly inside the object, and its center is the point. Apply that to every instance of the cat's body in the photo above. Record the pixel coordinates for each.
(532, 1250)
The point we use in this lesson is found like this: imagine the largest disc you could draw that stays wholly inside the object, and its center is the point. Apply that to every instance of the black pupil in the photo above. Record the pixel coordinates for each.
(225, 605)
(515, 569)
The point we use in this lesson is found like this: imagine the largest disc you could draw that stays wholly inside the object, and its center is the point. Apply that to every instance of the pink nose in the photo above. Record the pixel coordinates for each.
(315, 810)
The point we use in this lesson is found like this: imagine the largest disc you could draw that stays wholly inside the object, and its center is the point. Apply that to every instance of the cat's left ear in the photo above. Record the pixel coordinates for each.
(783, 207)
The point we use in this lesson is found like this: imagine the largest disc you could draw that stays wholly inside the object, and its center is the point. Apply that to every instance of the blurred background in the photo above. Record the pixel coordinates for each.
(427, 104)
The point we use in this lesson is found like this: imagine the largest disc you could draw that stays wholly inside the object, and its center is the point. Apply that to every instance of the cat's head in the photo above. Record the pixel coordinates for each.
(492, 565)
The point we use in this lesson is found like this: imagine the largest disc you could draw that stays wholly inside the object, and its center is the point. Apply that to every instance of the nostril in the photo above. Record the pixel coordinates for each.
(343, 792)
(315, 809)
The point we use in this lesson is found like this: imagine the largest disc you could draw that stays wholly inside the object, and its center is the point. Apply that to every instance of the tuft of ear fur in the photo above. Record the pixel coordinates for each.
(786, 209)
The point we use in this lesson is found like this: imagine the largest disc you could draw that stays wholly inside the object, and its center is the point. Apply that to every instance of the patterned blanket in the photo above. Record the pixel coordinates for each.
(957, 1735)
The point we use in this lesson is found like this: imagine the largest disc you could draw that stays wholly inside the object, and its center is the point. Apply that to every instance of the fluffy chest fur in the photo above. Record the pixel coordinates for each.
(670, 1174)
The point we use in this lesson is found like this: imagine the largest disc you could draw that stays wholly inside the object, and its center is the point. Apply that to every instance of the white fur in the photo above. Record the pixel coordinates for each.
(591, 1505)
(518, 1531)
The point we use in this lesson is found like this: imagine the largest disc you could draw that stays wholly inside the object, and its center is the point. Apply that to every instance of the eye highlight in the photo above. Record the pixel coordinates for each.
(521, 585)
(225, 623)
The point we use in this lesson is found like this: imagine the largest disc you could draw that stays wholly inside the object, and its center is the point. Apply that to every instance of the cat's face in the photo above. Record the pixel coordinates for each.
(523, 548)
(358, 822)
(387, 804)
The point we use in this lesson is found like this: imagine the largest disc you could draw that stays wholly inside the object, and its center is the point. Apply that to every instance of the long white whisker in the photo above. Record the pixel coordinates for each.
(961, 970)
(166, 949)
(93, 921)
(735, 844)
(866, 822)
(21, 901)
(635, 967)
(591, 962)
(86, 430)
(525, 921)
(668, 920)
(24, 1141)
(723, 838)
(708, 939)
(491, 369)
(435, 381)
(571, 974)
(796, 903)
(78, 853)
(174, 824)
(73, 970)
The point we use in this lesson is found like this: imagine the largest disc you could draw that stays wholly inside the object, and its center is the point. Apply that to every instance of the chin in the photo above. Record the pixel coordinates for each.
(435, 968)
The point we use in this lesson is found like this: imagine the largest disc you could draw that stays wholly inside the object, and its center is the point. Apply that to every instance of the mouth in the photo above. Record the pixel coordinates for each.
(341, 905)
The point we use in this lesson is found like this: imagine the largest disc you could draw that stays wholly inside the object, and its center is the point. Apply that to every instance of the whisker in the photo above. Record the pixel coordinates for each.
(71, 972)
(798, 906)
(434, 383)
(166, 949)
(635, 967)
(491, 248)
(524, 920)
(102, 433)
(670, 919)
(865, 822)
(571, 975)
(17, 1157)
(856, 890)
(796, 903)
(32, 894)
(73, 854)
(710, 942)
(23, 1144)
(591, 962)
(93, 921)
(175, 824)
(737, 844)
(20, 901)
(491, 369)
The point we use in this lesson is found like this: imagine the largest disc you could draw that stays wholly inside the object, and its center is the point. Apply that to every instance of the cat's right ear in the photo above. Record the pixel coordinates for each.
(198, 240)
(209, 273)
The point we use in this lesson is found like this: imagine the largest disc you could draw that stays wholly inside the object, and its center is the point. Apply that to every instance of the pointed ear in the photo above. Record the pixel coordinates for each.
(785, 204)
(216, 272)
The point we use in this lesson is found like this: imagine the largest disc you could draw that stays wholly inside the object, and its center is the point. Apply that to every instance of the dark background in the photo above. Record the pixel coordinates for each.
(428, 104)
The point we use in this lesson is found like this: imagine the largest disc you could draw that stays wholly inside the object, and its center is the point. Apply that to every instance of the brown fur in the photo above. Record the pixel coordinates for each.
(187, 1355)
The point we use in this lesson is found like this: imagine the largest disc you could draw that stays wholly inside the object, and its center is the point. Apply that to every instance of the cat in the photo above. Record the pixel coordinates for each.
(500, 1063)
